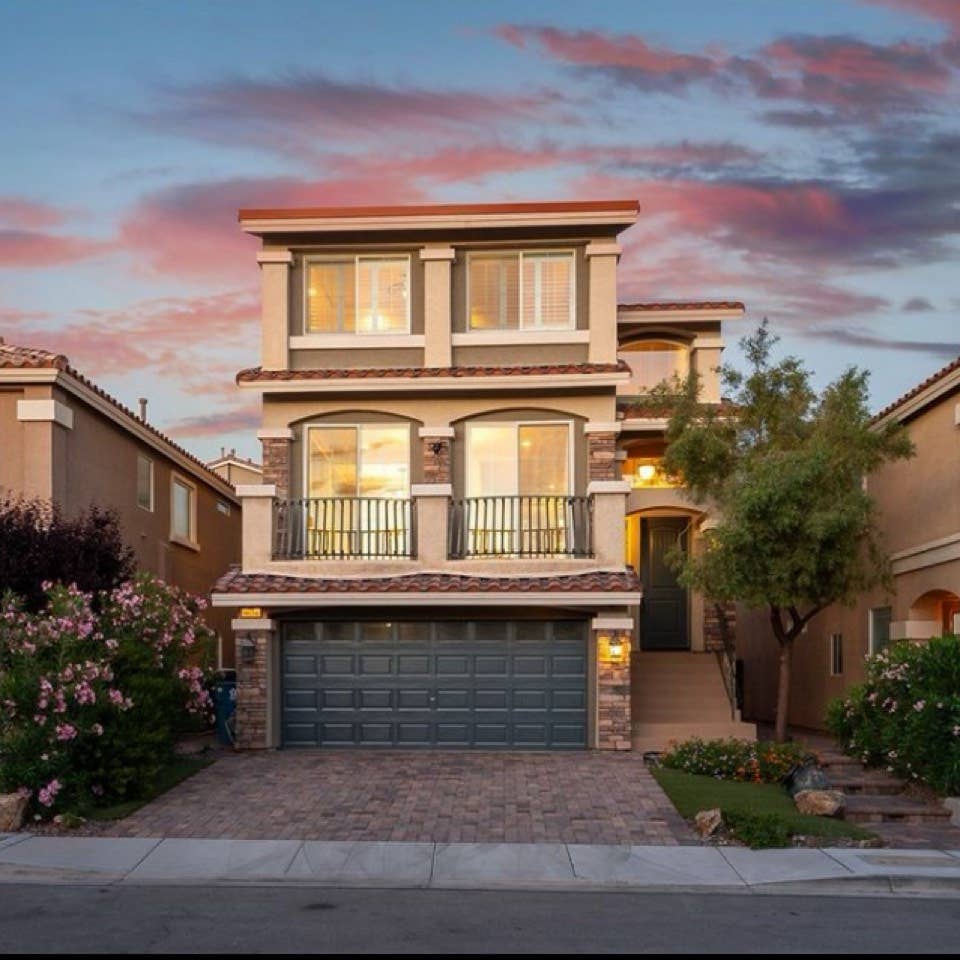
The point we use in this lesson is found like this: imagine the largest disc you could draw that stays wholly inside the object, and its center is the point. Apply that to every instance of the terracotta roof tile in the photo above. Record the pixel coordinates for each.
(257, 374)
(33, 358)
(919, 388)
(630, 409)
(650, 307)
(599, 582)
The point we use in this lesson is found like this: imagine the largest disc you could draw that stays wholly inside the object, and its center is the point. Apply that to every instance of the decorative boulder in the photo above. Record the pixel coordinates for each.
(13, 807)
(820, 803)
(806, 776)
(708, 821)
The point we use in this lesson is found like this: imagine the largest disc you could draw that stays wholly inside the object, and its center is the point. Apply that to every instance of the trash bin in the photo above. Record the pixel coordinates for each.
(225, 703)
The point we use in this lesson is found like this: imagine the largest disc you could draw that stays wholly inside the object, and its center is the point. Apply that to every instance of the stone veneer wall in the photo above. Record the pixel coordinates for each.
(276, 465)
(712, 630)
(614, 731)
(436, 465)
(252, 694)
(602, 456)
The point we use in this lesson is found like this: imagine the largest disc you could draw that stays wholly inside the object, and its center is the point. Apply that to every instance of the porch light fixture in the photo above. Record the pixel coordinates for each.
(615, 649)
(647, 472)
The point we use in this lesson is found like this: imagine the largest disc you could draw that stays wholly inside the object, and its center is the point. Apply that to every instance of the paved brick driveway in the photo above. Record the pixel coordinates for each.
(589, 797)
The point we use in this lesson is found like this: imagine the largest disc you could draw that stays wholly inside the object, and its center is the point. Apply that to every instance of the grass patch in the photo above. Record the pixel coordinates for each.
(176, 772)
(690, 793)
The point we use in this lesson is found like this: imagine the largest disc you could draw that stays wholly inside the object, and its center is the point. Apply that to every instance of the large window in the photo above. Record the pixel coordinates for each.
(521, 290)
(364, 460)
(836, 654)
(367, 295)
(183, 511)
(653, 361)
(144, 482)
(526, 459)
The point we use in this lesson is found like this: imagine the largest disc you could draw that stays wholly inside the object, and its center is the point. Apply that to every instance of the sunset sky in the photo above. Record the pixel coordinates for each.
(801, 156)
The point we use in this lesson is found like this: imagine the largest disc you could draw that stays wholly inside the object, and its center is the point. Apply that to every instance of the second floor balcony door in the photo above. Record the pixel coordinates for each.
(358, 485)
(519, 479)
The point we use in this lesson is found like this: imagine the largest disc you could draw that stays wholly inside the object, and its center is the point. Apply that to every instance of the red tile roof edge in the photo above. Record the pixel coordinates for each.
(255, 374)
(918, 389)
(34, 358)
(437, 209)
(598, 581)
(683, 305)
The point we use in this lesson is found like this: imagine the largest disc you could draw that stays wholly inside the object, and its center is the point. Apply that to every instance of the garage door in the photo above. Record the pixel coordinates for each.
(484, 684)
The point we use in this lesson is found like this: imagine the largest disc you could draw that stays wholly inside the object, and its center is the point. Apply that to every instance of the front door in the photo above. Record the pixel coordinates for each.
(663, 615)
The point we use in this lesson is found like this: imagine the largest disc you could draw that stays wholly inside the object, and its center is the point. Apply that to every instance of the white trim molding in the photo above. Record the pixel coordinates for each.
(601, 426)
(250, 624)
(431, 489)
(275, 433)
(443, 433)
(253, 490)
(625, 315)
(645, 423)
(438, 253)
(612, 623)
(395, 599)
(601, 249)
(494, 338)
(608, 486)
(926, 554)
(356, 341)
(274, 256)
(48, 411)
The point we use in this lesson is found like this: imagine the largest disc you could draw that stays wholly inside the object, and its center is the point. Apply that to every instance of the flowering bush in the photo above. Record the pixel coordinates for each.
(759, 762)
(906, 716)
(92, 702)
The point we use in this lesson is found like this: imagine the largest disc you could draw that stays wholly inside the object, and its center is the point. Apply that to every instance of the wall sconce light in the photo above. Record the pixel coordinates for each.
(436, 447)
(613, 649)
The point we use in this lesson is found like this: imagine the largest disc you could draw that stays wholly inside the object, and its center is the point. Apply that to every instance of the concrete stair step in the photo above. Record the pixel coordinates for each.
(884, 809)
(867, 786)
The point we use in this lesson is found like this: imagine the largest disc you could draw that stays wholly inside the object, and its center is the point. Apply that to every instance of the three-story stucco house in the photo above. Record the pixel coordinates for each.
(443, 552)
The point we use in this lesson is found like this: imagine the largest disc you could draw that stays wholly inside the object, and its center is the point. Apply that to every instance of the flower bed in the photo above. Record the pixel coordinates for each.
(906, 716)
(92, 701)
(756, 761)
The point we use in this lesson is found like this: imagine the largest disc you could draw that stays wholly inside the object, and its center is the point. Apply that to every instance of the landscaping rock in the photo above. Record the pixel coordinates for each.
(708, 822)
(806, 776)
(13, 807)
(953, 805)
(820, 803)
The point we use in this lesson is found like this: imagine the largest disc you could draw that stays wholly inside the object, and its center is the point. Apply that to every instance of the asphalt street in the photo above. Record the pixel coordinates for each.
(40, 918)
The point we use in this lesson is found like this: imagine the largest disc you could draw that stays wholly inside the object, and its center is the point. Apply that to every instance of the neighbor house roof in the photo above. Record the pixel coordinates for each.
(14, 357)
(945, 381)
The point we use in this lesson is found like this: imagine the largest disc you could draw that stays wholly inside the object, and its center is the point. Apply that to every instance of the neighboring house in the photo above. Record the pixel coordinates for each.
(236, 470)
(64, 439)
(919, 513)
(440, 553)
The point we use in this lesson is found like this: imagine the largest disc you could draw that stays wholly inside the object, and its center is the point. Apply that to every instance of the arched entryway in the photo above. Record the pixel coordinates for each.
(933, 613)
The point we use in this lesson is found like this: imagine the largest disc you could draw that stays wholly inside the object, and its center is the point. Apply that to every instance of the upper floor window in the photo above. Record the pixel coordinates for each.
(183, 511)
(363, 460)
(362, 294)
(653, 361)
(521, 290)
(145, 483)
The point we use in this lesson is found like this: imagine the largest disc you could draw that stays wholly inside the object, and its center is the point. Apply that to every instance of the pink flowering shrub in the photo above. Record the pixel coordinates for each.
(92, 700)
(906, 717)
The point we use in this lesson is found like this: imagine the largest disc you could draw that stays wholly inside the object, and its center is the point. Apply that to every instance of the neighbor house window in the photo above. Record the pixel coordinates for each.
(523, 290)
(836, 654)
(145, 483)
(183, 511)
(880, 619)
(358, 295)
(653, 361)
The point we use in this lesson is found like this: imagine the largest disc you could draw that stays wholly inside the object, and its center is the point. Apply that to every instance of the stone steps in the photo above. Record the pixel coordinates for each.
(866, 785)
(887, 809)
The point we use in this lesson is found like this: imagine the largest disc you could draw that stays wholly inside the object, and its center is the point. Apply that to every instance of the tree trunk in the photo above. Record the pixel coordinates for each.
(783, 690)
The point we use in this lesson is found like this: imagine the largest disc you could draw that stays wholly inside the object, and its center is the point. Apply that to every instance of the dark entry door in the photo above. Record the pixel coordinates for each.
(663, 616)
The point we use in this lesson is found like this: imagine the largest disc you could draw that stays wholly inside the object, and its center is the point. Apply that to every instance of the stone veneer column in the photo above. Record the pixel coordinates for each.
(255, 641)
(276, 459)
(437, 452)
(614, 731)
(433, 495)
(602, 463)
(712, 627)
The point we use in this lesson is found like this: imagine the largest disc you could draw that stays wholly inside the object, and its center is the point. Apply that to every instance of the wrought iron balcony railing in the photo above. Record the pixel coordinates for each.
(315, 528)
(521, 526)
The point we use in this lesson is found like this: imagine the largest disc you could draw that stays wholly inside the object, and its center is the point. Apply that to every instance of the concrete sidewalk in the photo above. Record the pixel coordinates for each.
(494, 866)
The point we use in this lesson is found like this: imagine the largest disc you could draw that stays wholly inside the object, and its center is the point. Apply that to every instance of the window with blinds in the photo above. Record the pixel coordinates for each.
(358, 295)
(526, 291)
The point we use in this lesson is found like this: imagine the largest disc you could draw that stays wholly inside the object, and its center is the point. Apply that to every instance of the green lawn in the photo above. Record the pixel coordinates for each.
(691, 793)
(178, 771)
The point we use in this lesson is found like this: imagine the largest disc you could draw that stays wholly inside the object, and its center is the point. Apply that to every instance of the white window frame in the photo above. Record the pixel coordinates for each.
(517, 424)
(191, 540)
(836, 643)
(152, 492)
(358, 427)
(871, 634)
(355, 259)
(521, 253)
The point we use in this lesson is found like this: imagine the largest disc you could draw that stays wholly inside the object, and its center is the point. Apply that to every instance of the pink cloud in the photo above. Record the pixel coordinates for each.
(15, 212)
(31, 248)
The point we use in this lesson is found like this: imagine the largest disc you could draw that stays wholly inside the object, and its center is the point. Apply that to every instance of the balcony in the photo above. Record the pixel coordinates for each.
(520, 526)
(333, 528)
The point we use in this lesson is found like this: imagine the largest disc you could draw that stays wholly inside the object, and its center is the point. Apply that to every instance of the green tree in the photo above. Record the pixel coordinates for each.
(782, 467)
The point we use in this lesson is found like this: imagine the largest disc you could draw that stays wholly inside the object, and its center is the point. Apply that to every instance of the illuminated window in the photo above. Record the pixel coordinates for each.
(647, 473)
(527, 291)
(367, 460)
(366, 295)
(525, 459)
(653, 361)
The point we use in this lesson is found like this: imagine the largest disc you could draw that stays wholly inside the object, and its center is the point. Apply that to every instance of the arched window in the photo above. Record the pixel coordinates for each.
(653, 361)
